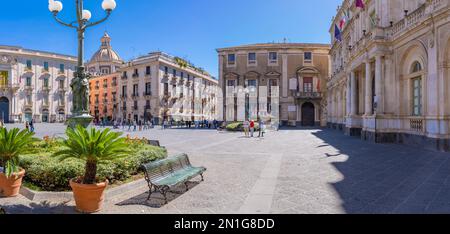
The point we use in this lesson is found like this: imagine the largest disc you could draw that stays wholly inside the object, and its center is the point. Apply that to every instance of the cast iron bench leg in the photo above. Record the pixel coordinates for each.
(186, 184)
(150, 192)
(202, 177)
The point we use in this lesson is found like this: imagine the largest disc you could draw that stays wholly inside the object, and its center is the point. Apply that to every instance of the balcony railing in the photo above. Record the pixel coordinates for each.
(146, 94)
(308, 95)
(124, 77)
(135, 75)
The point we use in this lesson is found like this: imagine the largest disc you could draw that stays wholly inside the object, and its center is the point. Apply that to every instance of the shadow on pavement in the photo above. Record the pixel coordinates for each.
(385, 178)
(40, 208)
(157, 199)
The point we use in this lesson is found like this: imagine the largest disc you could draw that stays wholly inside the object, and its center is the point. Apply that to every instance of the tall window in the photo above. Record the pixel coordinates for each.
(46, 82)
(166, 70)
(308, 84)
(231, 83)
(174, 72)
(251, 83)
(273, 57)
(124, 91)
(29, 64)
(61, 84)
(231, 59)
(182, 75)
(135, 90)
(148, 88)
(61, 68)
(417, 89)
(28, 81)
(251, 58)
(46, 66)
(148, 70)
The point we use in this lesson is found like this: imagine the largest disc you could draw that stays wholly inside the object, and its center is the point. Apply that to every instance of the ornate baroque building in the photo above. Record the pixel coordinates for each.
(284, 83)
(104, 69)
(158, 87)
(105, 61)
(390, 73)
(35, 85)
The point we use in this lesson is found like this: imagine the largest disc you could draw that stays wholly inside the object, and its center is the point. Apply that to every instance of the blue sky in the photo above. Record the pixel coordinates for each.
(191, 29)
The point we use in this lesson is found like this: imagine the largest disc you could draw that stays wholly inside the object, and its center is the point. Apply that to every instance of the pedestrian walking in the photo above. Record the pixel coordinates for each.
(246, 126)
(32, 126)
(27, 126)
(134, 125)
(252, 128)
(140, 125)
(262, 128)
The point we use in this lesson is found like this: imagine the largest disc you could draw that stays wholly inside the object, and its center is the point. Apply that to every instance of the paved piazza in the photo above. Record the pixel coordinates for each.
(289, 171)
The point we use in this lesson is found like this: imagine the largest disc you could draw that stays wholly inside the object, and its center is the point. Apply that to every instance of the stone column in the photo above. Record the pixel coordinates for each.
(285, 82)
(378, 83)
(349, 96)
(353, 93)
(368, 102)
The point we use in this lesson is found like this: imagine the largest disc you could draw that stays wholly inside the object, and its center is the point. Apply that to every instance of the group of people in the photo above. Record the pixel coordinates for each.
(134, 125)
(29, 125)
(198, 124)
(250, 125)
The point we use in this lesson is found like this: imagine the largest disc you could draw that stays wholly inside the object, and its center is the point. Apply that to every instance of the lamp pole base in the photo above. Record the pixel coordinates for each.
(84, 120)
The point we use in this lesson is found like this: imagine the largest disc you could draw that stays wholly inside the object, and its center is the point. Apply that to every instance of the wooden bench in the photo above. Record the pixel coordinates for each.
(165, 174)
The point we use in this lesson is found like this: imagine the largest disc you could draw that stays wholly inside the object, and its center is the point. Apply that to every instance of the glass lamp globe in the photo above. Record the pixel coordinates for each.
(86, 15)
(55, 6)
(109, 5)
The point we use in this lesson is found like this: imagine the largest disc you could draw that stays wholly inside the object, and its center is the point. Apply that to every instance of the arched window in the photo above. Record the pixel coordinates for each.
(416, 67)
(416, 83)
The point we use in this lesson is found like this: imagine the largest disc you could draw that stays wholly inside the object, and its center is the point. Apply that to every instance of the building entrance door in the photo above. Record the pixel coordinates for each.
(308, 114)
(4, 109)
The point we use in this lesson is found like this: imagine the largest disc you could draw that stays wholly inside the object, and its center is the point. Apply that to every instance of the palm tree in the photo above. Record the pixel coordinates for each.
(93, 146)
(12, 144)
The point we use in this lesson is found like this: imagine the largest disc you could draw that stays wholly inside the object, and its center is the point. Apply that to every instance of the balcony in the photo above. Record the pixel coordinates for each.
(46, 88)
(61, 73)
(135, 75)
(28, 88)
(308, 95)
(28, 70)
(135, 95)
(114, 84)
(123, 96)
(147, 94)
(124, 77)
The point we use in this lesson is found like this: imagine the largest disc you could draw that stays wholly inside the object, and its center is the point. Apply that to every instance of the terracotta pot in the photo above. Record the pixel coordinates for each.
(10, 187)
(88, 197)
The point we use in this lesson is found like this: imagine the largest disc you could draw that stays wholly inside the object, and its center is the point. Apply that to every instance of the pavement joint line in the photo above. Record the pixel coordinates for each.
(260, 198)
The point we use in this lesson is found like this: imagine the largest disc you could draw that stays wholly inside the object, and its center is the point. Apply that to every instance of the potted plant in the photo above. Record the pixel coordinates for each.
(12, 144)
(92, 146)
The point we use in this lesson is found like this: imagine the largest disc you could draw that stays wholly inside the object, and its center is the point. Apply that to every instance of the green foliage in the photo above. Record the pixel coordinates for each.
(13, 143)
(50, 174)
(92, 146)
(238, 127)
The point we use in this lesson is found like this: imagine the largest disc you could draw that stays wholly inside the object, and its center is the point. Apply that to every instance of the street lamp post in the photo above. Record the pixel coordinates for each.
(80, 82)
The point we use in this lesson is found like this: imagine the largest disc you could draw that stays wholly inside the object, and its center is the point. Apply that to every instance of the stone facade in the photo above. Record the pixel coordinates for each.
(390, 72)
(35, 85)
(284, 83)
(161, 87)
(103, 96)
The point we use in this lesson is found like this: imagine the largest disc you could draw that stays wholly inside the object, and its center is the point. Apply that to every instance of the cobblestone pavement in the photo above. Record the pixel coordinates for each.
(289, 171)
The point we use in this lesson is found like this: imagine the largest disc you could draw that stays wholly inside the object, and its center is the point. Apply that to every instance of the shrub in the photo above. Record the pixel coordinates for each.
(239, 127)
(50, 174)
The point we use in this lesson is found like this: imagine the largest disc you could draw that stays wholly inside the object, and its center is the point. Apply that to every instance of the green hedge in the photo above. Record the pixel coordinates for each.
(239, 127)
(49, 174)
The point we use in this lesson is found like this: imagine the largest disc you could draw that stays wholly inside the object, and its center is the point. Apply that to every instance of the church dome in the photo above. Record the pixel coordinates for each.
(106, 52)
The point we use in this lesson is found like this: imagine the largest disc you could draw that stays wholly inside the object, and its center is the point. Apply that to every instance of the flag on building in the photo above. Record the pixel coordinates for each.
(337, 33)
(343, 21)
(360, 4)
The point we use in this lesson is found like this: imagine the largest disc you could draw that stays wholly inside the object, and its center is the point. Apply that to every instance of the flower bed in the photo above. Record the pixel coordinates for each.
(50, 174)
